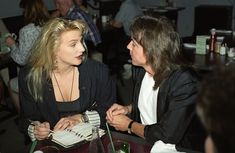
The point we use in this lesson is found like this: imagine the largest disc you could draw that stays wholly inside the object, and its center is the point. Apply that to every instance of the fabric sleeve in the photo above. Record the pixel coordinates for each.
(31, 130)
(178, 112)
(93, 118)
(21, 52)
(29, 109)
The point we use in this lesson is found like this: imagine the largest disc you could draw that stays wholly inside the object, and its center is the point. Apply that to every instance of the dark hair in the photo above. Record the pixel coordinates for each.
(35, 11)
(216, 107)
(161, 44)
(23, 3)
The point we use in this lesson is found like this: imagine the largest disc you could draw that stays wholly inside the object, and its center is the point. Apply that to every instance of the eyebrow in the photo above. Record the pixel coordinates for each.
(73, 40)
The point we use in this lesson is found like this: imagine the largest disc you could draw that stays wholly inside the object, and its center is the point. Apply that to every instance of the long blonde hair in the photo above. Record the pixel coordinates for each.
(43, 57)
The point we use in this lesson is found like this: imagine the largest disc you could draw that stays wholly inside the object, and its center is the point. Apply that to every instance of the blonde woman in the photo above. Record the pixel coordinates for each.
(60, 85)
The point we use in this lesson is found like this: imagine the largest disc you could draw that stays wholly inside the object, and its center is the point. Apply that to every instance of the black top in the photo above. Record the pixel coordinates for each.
(95, 85)
(177, 122)
(68, 108)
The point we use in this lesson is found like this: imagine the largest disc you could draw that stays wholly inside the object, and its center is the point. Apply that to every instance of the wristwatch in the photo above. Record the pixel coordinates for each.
(129, 127)
(85, 118)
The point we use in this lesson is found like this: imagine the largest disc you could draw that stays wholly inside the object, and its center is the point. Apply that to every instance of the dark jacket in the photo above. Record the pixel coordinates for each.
(95, 85)
(177, 122)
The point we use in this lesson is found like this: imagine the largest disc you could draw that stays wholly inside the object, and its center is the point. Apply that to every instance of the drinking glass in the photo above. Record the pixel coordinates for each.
(120, 147)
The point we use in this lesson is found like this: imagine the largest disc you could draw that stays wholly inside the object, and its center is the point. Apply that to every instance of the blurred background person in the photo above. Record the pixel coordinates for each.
(35, 15)
(82, 5)
(128, 10)
(215, 107)
(71, 10)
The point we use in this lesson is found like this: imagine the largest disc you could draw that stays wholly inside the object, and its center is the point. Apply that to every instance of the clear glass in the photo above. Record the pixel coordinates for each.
(120, 147)
(96, 145)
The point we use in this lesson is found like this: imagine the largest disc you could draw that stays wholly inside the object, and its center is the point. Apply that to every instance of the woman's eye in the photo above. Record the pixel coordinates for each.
(73, 44)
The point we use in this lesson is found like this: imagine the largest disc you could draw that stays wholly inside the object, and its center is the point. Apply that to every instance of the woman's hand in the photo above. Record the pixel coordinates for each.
(67, 122)
(116, 109)
(41, 130)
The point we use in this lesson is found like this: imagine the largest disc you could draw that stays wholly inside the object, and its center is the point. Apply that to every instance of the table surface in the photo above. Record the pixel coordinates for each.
(137, 144)
(206, 62)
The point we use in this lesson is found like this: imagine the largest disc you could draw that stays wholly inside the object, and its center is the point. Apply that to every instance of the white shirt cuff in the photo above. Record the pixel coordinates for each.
(93, 118)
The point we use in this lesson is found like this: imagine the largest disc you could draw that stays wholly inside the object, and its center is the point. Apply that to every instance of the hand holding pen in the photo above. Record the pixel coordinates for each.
(41, 130)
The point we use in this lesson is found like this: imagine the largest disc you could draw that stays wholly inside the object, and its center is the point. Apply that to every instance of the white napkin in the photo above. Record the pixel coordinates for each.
(161, 147)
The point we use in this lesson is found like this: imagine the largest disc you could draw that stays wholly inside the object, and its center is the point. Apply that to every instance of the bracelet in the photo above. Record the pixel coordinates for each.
(129, 126)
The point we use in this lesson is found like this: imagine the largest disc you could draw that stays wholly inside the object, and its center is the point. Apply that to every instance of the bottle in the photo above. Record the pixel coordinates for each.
(126, 148)
(96, 145)
(213, 39)
(223, 49)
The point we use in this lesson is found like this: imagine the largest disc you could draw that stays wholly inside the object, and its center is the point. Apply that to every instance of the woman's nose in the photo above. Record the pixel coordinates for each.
(80, 48)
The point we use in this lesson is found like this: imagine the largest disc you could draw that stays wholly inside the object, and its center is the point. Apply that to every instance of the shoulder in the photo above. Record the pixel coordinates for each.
(182, 77)
(185, 73)
(30, 29)
(25, 69)
(92, 63)
(77, 11)
(183, 81)
(93, 66)
(128, 5)
(138, 72)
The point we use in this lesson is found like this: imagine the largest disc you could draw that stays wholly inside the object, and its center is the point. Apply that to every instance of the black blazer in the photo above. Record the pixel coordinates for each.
(177, 122)
(95, 84)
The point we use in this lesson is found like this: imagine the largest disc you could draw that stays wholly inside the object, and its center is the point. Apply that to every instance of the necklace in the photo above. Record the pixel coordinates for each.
(71, 91)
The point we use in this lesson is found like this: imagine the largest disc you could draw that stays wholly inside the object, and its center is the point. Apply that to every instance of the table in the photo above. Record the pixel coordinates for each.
(7, 62)
(205, 63)
(169, 12)
(137, 144)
